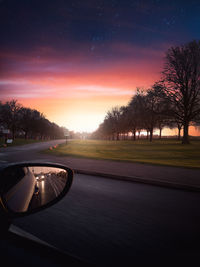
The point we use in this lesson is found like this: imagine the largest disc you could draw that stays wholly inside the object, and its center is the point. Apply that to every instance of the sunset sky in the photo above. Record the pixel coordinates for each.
(74, 60)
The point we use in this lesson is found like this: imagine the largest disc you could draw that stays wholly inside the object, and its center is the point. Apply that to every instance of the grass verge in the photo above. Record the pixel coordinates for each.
(160, 152)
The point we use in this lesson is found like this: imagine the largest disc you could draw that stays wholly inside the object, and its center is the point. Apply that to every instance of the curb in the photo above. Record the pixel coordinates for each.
(141, 180)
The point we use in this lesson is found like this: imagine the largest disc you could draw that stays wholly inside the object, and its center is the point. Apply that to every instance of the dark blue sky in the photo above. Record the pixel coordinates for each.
(81, 57)
(27, 23)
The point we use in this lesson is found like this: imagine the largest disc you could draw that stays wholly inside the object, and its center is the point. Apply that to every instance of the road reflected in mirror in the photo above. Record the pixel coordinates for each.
(29, 188)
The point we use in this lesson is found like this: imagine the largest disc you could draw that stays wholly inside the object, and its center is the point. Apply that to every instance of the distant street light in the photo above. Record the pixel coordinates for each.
(66, 134)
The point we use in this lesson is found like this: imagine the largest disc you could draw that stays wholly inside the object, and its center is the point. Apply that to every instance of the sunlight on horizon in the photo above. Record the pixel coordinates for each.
(84, 123)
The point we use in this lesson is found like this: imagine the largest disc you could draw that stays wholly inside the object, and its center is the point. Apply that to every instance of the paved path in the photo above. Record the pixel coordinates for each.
(161, 175)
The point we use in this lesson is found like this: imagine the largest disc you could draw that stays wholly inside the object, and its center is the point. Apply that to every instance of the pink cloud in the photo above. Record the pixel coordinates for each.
(48, 73)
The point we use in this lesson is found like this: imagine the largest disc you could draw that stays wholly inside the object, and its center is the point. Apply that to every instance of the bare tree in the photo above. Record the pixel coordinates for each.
(151, 106)
(27, 120)
(113, 119)
(10, 116)
(136, 115)
(181, 76)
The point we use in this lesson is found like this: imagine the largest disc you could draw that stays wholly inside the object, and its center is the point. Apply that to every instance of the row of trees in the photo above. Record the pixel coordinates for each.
(29, 122)
(174, 101)
(147, 111)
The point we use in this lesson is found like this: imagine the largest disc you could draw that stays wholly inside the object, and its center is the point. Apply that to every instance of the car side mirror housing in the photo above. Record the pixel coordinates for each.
(26, 188)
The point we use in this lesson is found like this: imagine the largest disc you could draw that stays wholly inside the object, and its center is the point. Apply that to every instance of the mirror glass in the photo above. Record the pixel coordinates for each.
(29, 188)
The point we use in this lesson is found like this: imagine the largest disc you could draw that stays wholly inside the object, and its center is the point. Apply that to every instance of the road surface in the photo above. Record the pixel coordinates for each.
(112, 223)
(49, 188)
(26, 152)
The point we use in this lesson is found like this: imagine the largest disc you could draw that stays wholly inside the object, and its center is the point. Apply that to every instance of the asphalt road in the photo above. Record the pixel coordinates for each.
(26, 152)
(116, 223)
(48, 189)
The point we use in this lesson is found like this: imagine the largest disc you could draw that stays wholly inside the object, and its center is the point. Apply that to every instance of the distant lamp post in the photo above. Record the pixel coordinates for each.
(66, 134)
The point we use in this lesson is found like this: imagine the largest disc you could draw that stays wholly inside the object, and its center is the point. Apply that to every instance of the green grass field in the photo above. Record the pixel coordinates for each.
(160, 152)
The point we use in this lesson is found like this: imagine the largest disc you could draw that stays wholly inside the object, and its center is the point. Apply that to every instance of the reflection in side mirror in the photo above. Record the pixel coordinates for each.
(30, 187)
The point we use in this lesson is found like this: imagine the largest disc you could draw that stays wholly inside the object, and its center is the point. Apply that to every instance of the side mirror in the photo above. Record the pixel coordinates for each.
(26, 188)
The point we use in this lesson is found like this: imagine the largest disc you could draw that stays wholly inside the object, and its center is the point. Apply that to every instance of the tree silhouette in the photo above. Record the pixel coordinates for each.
(31, 122)
(10, 116)
(181, 76)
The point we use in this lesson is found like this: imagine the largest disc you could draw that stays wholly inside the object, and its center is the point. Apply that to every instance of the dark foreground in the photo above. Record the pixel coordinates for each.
(111, 223)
